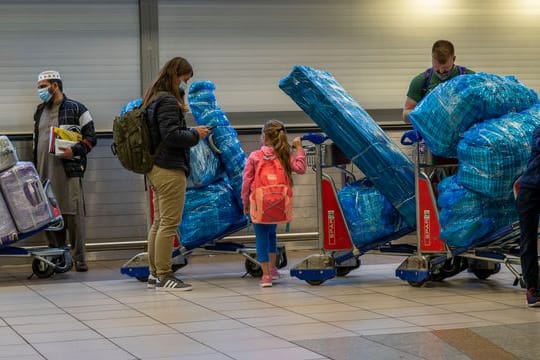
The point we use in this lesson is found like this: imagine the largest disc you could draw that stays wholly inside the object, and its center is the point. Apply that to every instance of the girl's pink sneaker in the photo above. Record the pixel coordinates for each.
(266, 281)
(274, 273)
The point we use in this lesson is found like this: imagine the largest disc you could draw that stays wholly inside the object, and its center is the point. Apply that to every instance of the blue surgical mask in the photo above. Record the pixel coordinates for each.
(183, 87)
(44, 94)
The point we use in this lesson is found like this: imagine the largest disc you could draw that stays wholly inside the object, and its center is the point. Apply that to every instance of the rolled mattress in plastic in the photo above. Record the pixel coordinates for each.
(321, 97)
(8, 231)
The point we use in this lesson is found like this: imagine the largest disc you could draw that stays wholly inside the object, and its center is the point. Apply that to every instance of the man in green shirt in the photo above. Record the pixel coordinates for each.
(442, 59)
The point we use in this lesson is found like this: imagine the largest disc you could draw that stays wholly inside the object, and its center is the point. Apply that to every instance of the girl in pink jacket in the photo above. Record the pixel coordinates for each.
(267, 191)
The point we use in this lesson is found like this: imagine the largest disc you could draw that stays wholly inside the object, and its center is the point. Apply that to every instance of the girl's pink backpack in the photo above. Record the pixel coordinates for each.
(270, 201)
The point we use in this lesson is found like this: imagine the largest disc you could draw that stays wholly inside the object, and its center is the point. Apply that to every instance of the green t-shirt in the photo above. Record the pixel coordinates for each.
(415, 88)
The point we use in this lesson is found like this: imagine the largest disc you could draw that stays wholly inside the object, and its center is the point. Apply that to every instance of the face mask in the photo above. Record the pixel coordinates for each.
(182, 87)
(44, 94)
(445, 75)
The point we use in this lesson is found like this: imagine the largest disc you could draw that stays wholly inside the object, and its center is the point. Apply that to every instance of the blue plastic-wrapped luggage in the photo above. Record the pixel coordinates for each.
(369, 215)
(457, 104)
(208, 213)
(206, 111)
(204, 164)
(356, 134)
(495, 152)
(466, 216)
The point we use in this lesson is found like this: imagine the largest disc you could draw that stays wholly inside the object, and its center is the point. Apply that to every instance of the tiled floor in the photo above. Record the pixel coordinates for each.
(370, 314)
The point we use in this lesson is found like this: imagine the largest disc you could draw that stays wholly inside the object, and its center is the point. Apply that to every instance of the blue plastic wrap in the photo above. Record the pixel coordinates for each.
(356, 134)
(206, 111)
(208, 213)
(369, 215)
(495, 152)
(205, 166)
(466, 217)
(455, 105)
(130, 106)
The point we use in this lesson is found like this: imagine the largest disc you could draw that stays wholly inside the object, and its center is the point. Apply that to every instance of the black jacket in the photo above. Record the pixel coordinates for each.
(71, 112)
(167, 124)
(531, 175)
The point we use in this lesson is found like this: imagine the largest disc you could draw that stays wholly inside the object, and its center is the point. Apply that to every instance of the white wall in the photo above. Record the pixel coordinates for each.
(93, 44)
(373, 47)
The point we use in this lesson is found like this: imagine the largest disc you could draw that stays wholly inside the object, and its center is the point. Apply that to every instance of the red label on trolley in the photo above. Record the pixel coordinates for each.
(430, 229)
(336, 235)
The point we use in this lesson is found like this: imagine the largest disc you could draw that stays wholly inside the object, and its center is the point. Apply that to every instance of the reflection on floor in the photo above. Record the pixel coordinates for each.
(369, 314)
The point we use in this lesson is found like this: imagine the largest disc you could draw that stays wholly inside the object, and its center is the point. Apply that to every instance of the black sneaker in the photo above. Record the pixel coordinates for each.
(171, 283)
(152, 280)
(533, 297)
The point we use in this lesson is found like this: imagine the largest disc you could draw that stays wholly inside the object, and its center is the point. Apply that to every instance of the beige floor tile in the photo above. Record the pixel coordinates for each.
(398, 330)
(308, 331)
(474, 306)
(411, 311)
(9, 337)
(210, 356)
(345, 315)
(370, 324)
(509, 316)
(329, 307)
(17, 351)
(34, 309)
(439, 319)
(192, 326)
(85, 349)
(114, 323)
(169, 345)
(139, 330)
(242, 314)
(76, 310)
(179, 314)
(289, 319)
(45, 327)
(210, 336)
(448, 299)
(57, 319)
(473, 324)
(263, 343)
(100, 315)
(294, 299)
(292, 353)
(69, 335)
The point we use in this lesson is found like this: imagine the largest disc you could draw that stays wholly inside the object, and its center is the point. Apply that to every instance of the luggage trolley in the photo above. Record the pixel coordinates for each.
(45, 260)
(434, 260)
(138, 267)
(337, 253)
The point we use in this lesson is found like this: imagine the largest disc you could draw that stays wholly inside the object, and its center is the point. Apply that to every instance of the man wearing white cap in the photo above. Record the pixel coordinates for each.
(65, 170)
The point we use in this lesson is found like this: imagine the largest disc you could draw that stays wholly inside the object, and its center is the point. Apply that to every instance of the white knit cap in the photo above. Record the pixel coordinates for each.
(49, 75)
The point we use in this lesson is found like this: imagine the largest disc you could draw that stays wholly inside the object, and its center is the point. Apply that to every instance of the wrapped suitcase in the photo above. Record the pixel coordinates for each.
(8, 155)
(25, 197)
(8, 231)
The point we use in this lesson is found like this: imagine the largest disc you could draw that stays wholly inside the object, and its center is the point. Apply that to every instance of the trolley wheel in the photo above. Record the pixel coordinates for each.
(345, 270)
(42, 269)
(253, 269)
(63, 263)
(315, 282)
(281, 257)
(450, 268)
(483, 273)
(176, 267)
(142, 278)
(417, 283)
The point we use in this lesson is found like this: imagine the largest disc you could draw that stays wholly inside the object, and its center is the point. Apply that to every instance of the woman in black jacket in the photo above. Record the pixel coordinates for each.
(172, 139)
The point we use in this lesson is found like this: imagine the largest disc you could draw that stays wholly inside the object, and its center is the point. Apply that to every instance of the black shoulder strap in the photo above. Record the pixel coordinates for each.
(461, 69)
(427, 80)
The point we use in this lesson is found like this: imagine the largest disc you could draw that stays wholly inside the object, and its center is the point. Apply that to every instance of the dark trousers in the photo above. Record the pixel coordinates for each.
(528, 205)
(74, 231)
